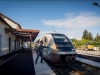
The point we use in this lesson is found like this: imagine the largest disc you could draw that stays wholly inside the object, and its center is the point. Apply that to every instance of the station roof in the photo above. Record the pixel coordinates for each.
(10, 19)
(23, 34)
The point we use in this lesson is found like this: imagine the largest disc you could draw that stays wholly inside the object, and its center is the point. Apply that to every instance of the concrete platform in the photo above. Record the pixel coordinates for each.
(41, 69)
(91, 53)
(89, 62)
(21, 64)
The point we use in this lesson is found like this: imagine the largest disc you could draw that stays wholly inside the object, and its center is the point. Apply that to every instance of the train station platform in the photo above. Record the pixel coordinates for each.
(41, 68)
(7, 57)
(21, 64)
(92, 53)
(89, 57)
(88, 62)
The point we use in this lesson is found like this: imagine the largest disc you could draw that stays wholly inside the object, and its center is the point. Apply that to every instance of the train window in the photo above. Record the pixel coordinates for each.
(60, 38)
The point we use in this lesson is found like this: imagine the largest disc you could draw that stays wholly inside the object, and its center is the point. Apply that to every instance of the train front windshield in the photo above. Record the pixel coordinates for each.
(62, 42)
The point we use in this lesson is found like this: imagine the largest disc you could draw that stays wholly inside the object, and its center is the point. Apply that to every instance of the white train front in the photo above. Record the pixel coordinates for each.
(61, 49)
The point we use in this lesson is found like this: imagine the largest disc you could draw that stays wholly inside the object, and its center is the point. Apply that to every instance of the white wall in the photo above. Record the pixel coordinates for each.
(25, 45)
(5, 39)
(20, 44)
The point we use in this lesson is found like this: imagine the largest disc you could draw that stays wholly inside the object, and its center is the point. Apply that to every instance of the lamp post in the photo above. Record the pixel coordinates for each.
(96, 4)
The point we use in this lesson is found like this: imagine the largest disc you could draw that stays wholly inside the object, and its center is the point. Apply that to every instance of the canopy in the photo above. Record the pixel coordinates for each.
(23, 34)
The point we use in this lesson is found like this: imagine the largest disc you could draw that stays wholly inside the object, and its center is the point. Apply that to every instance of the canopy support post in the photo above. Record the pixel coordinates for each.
(30, 43)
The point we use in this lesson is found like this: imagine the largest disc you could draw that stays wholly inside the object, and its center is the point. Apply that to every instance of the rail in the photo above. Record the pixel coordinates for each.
(76, 68)
(64, 69)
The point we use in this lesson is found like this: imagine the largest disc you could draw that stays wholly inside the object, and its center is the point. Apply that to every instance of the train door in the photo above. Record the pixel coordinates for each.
(0, 45)
(46, 42)
(9, 44)
(16, 44)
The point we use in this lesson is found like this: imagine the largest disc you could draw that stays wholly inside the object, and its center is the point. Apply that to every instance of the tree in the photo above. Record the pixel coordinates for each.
(74, 42)
(97, 38)
(90, 36)
(85, 35)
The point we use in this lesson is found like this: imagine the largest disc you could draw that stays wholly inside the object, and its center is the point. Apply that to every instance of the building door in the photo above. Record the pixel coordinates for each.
(18, 45)
(15, 45)
(0, 45)
(9, 45)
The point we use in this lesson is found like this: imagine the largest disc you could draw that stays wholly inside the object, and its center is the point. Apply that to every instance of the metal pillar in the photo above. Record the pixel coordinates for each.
(30, 43)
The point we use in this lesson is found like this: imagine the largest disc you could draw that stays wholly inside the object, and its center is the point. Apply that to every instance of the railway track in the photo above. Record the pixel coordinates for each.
(85, 68)
(64, 69)
(67, 70)
(76, 68)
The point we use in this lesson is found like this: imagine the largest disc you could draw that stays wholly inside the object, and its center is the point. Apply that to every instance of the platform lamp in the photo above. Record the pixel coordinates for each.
(96, 4)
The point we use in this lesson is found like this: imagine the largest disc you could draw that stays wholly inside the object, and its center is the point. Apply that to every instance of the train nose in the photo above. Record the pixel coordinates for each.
(73, 57)
(70, 58)
(67, 58)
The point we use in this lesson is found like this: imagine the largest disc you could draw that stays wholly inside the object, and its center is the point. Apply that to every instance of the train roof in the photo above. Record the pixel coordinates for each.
(53, 33)
(48, 33)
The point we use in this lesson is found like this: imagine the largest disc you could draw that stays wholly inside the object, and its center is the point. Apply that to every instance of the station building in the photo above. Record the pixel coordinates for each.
(12, 36)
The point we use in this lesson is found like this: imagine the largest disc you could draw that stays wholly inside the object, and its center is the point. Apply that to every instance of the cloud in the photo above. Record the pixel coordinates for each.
(80, 21)
(74, 24)
(69, 33)
(73, 33)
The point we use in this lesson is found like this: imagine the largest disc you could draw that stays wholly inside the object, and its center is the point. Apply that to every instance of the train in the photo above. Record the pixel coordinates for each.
(60, 48)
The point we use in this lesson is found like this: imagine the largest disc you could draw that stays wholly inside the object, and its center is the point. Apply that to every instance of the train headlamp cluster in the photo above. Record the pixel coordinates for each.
(73, 49)
(59, 49)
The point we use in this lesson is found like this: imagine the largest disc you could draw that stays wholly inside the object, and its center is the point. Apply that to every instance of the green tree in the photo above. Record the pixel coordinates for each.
(85, 35)
(90, 36)
(74, 42)
(97, 38)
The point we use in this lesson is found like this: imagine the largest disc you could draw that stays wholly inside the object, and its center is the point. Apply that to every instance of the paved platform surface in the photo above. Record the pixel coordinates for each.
(89, 62)
(92, 58)
(41, 68)
(7, 56)
(93, 53)
(89, 57)
(21, 64)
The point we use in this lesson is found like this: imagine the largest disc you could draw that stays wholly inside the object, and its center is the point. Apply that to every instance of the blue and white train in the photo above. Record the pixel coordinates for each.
(61, 49)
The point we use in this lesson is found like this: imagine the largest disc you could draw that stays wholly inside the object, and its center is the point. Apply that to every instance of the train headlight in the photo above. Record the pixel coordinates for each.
(73, 49)
(60, 50)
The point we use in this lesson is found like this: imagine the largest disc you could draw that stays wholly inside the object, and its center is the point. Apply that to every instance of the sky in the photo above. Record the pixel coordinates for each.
(69, 17)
